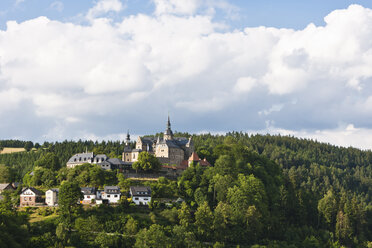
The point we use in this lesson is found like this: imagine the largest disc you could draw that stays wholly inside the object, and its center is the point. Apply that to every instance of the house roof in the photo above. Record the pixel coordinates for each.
(37, 192)
(54, 190)
(112, 190)
(127, 149)
(88, 190)
(116, 161)
(140, 191)
(88, 157)
(4, 186)
(194, 157)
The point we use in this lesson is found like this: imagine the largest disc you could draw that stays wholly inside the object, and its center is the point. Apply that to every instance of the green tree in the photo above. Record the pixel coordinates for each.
(343, 228)
(153, 237)
(222, 221)
(146, 162)
(131, 227)
(181, 237)
(28, 146)
(5, 174)
(124, 183)
(49, 161)
(204, 220)
(69, 197)
(328, 206)
(184, 215)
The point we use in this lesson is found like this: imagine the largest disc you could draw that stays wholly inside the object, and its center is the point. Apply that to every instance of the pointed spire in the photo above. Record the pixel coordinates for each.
(168, 124)
(168, 134)
(128, 136)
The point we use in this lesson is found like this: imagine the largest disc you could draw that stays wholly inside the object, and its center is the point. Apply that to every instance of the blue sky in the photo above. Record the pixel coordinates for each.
(94, 69)
(273, 13)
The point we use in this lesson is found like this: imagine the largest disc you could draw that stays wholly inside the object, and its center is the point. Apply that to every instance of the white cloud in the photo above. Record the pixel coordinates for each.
(343, 135)
(104, 6)
(85, 76)
(244, 84)
(176, 6)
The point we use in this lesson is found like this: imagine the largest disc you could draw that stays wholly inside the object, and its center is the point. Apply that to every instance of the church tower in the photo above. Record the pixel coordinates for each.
(127, 141)
(168, 134)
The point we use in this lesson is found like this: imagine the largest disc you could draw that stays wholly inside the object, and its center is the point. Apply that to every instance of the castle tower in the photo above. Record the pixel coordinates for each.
(127, 140)
(168, 134)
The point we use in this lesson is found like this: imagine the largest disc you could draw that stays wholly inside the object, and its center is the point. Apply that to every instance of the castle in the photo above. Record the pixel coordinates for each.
(174, 153)
(169, 150)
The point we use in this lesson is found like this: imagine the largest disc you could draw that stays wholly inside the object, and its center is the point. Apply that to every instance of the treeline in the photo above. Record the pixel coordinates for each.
(263, 191)
(13, 143)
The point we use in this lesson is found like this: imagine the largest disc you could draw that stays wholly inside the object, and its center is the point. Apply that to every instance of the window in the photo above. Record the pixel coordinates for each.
(145, 199)
(30, 199)
(25, 198)
(136, 198)
(115, 196)
(108, 196)
(88, 196)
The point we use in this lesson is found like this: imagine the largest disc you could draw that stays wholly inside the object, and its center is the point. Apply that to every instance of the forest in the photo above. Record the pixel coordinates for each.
(262, 191)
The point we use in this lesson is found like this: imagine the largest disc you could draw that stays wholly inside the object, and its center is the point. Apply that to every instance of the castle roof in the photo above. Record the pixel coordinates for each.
(194, 157)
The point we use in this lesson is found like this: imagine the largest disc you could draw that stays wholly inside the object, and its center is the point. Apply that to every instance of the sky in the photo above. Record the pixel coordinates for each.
(95, 69)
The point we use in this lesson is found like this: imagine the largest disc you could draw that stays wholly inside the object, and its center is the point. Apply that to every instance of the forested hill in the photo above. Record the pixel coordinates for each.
(262, 189)
(308, 163)
(302, 157)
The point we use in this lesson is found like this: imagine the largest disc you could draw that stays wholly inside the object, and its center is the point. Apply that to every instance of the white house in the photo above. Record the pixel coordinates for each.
(111, 193)
(141, 195)
(90, 195)
(51, 197)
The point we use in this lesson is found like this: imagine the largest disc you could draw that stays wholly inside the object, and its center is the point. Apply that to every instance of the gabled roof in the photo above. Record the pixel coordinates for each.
(88, 157)
(115, 161)
(54, 190)
(194, 157)
(36, 192)
(112, 190)
(147, 140)
(140, 191)
(81, 158)
(4, 186)
(88, 190)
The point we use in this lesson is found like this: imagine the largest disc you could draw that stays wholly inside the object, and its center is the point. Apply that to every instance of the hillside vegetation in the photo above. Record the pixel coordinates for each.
(263, 191)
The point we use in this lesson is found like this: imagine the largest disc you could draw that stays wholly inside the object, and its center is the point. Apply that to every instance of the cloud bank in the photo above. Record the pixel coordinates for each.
(63, 80)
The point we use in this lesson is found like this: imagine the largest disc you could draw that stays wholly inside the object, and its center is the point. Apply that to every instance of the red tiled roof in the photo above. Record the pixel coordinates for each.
(194, 157)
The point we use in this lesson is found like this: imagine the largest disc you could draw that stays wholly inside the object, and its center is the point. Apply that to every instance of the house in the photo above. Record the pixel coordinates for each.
(101, 160)
(111, 193)
(30, 197)
(86, 157)
(51, 197)
(141, 195)
(90, 195)
(114, 163)
(6, 186)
